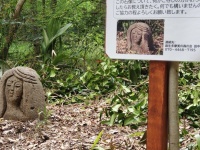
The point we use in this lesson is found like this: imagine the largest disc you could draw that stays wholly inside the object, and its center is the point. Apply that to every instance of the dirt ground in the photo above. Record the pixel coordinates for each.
(75, 127)
(69, 127)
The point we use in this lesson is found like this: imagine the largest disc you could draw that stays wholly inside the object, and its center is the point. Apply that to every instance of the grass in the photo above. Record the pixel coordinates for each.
(20, 50)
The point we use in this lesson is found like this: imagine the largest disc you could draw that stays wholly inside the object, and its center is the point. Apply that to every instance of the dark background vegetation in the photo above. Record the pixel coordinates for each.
(74, 67)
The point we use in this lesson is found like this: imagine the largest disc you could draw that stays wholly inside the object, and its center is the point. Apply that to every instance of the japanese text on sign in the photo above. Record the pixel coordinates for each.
(156, 8)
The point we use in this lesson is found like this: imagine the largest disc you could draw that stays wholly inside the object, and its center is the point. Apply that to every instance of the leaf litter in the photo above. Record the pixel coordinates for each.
(75, 127)
(68, 127)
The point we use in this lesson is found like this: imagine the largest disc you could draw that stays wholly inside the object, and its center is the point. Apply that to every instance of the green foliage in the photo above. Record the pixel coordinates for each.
(116, 81)
(53, 31)
(194, 143)
(20, 51)
(189, 97)
(3, 67)
(80, 71)
(197, 137)
(128, 107)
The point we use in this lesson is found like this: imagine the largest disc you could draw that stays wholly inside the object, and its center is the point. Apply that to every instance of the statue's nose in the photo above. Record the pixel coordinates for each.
(12, 87)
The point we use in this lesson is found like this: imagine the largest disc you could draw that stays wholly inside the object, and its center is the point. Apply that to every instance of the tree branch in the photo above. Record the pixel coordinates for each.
(12, 30)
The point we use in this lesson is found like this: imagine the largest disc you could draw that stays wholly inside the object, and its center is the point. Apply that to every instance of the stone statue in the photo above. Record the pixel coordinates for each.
(139, 39)
(21, 94)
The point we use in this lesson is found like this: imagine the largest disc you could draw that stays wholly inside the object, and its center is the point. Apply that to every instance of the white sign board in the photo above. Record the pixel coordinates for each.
(174, 24)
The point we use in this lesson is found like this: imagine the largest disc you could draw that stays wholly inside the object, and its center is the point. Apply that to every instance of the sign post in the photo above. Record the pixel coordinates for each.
(161, 31)
(173, 107)
(157, 127)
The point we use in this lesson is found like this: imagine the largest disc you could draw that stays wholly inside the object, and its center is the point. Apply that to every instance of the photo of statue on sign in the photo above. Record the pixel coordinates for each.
(137, 37)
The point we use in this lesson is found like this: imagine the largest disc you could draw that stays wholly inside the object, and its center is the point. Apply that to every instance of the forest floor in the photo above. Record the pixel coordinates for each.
(68, 127)
(73, 127)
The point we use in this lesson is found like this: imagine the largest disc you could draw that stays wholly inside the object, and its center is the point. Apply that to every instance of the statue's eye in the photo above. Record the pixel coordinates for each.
(9, 84)
(17, 85)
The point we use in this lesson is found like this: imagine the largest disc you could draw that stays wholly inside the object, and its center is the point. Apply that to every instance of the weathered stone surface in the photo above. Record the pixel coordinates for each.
(21, 94)
(139, 38)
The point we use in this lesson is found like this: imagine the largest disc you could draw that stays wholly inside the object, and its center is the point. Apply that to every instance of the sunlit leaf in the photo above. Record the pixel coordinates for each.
(136, 134)
(52, 73)
(197, 136)
(126, 89)
(199, 74)
(116, 107)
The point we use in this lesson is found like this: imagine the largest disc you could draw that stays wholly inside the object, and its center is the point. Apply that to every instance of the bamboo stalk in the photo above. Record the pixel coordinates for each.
(173, 107)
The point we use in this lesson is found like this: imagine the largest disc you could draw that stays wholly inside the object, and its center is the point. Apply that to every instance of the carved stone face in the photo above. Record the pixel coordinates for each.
(14, 89)
(136, 36)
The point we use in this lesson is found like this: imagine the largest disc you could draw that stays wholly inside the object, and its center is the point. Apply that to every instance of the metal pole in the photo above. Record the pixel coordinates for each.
(173, 107)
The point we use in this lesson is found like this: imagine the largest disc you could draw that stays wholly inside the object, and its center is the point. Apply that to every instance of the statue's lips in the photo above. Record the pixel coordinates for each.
(11, 94)
(136, 39)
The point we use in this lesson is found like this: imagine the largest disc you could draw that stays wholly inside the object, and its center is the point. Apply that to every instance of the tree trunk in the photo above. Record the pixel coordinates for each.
(34, 29)
(53, 5)
(43, 6)
(12, 30)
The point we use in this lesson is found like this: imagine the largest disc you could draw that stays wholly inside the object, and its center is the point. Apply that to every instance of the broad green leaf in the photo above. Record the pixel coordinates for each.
(140, 104)
(131, 109)
(46, 38)
(126, 90)
(52, 73)
(112, 119)
(116, 107)
(62, 30)
(105, 67)
(97, 87)
(52, 28)
(132, 120)
(197, 136)
(105, 83)
(128, 121)
(107, 122)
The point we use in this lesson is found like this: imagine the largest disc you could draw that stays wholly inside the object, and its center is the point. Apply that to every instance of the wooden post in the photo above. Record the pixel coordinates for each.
(157, 127)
